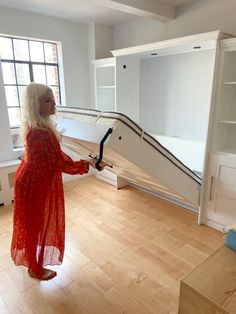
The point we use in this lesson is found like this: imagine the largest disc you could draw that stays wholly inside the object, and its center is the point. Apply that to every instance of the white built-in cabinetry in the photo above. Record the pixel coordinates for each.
(185, 89)
(166, 88)
(105, 86)
(219, 208)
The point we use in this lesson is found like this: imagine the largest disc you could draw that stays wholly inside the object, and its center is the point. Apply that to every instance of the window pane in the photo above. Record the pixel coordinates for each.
(22, 73)
(6, 48)
(21, 93)
(14, 116)
(12, 96)
(36, 51)
(39, 74)
(52, 75)
(8, 73)
(56, 94)
(30, 60)
(21, 49)
(50, 52)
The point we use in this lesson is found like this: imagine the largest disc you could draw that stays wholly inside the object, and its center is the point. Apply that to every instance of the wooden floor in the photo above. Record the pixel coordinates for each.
(125, 253)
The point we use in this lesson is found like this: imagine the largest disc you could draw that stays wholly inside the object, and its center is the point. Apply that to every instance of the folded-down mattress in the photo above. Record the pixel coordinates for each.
(132, 153)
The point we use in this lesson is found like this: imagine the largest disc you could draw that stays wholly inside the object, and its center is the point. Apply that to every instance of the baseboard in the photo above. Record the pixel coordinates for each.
(165, 197)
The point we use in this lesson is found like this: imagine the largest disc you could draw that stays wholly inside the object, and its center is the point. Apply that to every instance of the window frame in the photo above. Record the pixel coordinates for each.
(30, 64)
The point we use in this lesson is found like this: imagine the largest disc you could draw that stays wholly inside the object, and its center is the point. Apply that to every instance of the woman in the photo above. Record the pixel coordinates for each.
(39, 215)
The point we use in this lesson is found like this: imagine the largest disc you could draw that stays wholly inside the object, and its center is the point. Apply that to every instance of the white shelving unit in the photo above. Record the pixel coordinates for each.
(105, 85)
(167, 88)
(225, 127)
(219, 209)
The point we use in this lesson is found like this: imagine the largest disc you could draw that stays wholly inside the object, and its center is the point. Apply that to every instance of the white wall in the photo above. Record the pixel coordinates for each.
(175, 94)
(74, 39)
(103, 41)
(199, 17)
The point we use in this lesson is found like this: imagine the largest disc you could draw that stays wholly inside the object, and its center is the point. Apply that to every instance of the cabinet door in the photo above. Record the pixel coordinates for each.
(221, 192)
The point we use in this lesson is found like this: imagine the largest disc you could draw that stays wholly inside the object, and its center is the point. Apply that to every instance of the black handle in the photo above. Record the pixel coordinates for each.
(109, 131)
(96, 158)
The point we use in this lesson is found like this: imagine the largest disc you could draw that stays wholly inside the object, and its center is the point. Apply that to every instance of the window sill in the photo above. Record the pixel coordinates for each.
(18, 152)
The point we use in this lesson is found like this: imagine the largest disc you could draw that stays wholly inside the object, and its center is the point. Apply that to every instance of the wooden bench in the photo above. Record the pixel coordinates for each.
(210, 288)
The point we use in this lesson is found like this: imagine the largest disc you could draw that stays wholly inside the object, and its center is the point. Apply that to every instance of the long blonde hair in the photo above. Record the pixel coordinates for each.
(30, 116)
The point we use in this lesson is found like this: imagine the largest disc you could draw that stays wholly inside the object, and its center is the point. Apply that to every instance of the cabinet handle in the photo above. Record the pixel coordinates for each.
(211, 188)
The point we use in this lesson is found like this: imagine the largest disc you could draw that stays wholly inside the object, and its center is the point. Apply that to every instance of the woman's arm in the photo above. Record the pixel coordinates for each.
(44, 149)
(74, 167)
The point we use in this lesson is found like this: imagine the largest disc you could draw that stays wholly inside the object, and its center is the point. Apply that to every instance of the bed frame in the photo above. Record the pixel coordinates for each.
(130, 152)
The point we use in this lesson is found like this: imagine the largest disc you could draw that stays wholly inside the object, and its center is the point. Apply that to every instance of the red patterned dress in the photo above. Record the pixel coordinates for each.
(39, 214)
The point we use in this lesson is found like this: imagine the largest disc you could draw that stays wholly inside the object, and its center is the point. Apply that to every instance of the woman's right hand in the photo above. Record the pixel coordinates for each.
(92, 162)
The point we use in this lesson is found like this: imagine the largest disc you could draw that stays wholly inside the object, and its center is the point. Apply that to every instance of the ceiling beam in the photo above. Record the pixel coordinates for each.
(153, 9)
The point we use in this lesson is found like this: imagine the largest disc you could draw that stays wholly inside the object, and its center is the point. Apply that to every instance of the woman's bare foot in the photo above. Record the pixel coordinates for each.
(45, 274)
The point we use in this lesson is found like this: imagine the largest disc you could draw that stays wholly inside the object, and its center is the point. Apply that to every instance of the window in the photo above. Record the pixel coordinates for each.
(25, 61)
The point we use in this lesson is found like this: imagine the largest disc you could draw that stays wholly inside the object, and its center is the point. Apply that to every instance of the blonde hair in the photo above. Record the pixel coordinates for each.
(30, 116)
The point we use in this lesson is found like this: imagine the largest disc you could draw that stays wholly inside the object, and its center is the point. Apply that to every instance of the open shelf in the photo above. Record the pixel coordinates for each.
(229, 70)
(227, 103)
(105, 76)
(105, 99)
(105, 84)
(225, 136)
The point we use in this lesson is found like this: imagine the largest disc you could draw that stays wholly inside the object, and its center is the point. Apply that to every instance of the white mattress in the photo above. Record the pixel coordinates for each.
(134, 154)
(190, 152)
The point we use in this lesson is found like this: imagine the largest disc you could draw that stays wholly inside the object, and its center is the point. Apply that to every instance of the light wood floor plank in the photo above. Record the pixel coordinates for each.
(44, 296)
(12, 298)
(125, 252)
(88, 299)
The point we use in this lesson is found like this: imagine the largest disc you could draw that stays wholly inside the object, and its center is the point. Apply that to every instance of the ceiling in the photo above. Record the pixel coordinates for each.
(85, 11)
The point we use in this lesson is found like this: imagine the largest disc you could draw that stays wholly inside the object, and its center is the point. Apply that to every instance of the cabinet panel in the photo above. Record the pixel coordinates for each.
(221, 196)
(227, 176)
(224, 209)
(128, 86)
